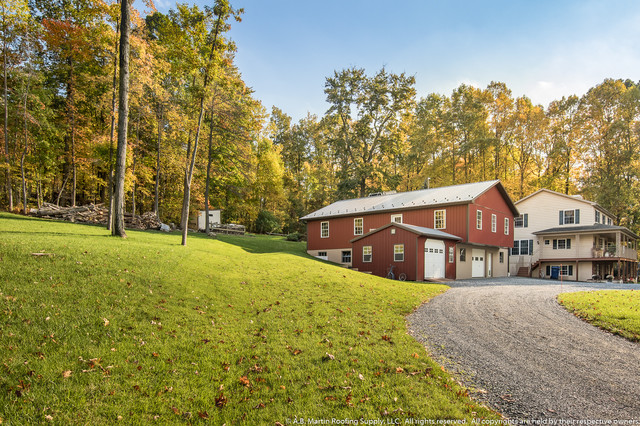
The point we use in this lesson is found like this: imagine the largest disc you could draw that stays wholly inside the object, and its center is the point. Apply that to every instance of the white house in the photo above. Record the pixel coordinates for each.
(571, 237)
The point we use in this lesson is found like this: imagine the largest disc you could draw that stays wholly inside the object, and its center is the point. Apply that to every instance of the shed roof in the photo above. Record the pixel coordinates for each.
(418, 230)
(446, 195)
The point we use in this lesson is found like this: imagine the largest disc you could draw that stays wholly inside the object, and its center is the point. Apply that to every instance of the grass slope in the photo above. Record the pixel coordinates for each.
(617, 311)
(235, 330)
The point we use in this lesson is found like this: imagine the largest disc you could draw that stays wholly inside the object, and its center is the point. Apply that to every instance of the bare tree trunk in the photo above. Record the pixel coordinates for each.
(209, 161)
(24, 153)
(6, 132)
(113, 126)
(123, 116)
(189, 171)
(156, 198)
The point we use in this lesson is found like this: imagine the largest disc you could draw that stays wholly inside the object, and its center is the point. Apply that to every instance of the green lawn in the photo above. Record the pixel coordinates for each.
(617, 311)
(236, 330)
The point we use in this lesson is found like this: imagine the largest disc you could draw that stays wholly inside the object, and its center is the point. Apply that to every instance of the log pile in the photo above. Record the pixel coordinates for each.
(97, 214)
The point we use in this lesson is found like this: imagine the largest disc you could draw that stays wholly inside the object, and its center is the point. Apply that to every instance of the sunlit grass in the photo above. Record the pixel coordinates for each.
(617, 311)
(97, 329)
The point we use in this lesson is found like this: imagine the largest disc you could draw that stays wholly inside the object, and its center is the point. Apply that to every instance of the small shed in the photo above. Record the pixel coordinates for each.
(421, 253)
(214, 218)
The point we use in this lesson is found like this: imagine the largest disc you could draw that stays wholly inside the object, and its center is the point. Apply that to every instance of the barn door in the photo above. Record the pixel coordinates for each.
(477, 263)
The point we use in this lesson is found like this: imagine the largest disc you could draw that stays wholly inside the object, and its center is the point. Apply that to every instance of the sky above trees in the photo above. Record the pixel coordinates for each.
(542, 49)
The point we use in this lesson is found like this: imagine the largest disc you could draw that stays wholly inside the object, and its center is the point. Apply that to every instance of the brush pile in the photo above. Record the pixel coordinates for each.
(95, 213)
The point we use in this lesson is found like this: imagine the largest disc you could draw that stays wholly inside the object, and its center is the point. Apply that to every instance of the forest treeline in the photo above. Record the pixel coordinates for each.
(260, 167)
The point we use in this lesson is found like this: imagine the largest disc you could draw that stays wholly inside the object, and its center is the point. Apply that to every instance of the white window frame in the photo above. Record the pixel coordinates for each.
(394, 218)
(573, 217)
(358, 229)
(506, 226)
(452, 254)
(494, 223)
(479, 220)
(322, 229)
(398, 249)
(367, 251)
(442, 220)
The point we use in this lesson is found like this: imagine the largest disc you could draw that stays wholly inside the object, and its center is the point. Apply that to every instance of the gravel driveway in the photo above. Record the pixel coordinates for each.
(526, 356)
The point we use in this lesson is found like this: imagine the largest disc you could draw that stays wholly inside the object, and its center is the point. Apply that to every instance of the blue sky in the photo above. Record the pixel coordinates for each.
(541, 49)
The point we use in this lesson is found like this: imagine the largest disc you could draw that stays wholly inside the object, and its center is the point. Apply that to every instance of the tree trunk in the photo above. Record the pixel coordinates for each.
(156, 197)
(210, 160)
(189, 172)
(123, 116)
(113, 126)
(6, 132)
(24, 153)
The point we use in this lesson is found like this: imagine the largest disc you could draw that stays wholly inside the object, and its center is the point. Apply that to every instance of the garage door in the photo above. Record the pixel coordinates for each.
(477, 263)
(434, 259)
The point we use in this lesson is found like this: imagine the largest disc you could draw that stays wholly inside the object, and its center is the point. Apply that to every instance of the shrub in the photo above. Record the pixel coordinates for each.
(266, 223)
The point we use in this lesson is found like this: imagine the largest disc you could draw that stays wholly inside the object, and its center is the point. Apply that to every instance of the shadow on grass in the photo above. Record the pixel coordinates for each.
(262, 244)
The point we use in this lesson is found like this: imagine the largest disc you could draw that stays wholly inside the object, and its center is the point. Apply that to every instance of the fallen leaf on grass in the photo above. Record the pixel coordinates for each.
(244, 381)
(66, 374)
(221, 401)
(203, 415)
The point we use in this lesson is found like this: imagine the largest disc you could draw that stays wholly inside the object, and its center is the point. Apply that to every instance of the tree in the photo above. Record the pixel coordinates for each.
(367, 113)
(123, 118)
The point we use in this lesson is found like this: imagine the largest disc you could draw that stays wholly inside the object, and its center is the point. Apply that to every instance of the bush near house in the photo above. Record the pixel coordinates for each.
(96, 329)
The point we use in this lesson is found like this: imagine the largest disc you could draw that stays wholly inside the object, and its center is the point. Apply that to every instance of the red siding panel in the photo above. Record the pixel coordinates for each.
(382, 246)
(491, 202)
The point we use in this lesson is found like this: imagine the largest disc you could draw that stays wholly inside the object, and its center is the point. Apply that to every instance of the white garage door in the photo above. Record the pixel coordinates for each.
(434, 259)
(477, 263)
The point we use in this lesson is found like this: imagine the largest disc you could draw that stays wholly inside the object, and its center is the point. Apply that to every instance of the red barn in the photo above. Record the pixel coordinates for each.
(464, 231)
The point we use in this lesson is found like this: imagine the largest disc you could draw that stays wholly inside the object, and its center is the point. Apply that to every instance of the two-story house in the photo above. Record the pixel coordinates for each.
(459, 231)
(573, 238)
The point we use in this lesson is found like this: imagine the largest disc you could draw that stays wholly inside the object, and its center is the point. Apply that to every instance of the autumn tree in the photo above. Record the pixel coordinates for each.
(367, 112)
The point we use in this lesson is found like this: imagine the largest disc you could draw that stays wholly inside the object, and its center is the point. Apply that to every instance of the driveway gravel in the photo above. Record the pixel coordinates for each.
(527, 357)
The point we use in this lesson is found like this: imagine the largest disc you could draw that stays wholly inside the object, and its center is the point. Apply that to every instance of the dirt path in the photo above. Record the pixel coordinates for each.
(530, 358)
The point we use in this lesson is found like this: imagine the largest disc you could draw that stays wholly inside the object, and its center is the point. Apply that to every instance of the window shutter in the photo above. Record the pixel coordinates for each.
(525, 220)
(530, 247)
(568, 243)
(555, 244)
(577, 216)
(561, 217)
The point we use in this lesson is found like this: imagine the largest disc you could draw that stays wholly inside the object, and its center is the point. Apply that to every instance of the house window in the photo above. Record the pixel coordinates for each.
(501, 257)
(547, 242)
(569, 217)
(609, 221)
(494, 222)
(396, 218)
(367, 254)
(398, 252)
(357, 226)
(597, 216)
(463, 255)
(562, 244)
(452, 255)
(506, 226)
(346, 256)
(521, 221)
(324, 229)
(522, 248)
(566, 270)
(479, 219)
(440, 219)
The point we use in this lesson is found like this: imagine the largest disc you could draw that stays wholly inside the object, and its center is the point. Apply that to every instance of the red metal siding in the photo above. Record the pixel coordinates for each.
(491, 202)
(382, 253)
(341, 228)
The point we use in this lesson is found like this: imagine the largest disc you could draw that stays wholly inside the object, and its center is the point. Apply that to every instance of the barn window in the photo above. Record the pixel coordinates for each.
(440, 219)
(452, 254)
(396, 218)
(346, 256)
(367, 254)
(478, 219)
(463, 255)
(501, 257)
(357, 226)
(398, 252)
(506, 226)
(494, 223)
(324, 229)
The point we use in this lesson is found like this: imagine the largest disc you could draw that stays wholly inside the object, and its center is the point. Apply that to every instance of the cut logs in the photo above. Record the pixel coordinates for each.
(95, 213)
